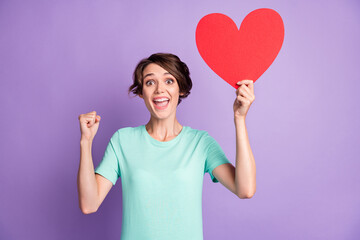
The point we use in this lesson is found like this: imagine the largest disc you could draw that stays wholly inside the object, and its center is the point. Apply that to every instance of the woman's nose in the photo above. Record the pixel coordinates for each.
(160, 87)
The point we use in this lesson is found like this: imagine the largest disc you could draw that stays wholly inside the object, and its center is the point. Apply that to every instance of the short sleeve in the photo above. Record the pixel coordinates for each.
(215, 156)
(109, 166)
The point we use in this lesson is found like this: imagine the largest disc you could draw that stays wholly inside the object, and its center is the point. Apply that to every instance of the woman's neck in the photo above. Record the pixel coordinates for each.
(163, 130)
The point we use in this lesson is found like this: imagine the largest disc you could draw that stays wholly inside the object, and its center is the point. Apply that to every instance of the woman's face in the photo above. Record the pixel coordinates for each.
(160, 91)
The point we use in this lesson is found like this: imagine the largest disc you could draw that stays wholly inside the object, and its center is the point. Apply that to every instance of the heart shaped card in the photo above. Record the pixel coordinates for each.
(237, 54)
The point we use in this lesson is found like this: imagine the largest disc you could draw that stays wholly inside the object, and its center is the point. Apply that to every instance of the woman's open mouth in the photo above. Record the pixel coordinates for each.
(162, 103)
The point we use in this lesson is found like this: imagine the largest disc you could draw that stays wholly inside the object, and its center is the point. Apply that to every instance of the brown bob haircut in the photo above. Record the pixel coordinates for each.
(169, 62)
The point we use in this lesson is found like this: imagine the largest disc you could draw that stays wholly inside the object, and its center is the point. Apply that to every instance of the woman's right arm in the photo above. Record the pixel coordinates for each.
(92, 188)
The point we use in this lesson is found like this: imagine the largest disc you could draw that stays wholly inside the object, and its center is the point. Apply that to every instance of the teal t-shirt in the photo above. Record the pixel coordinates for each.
(161, 181)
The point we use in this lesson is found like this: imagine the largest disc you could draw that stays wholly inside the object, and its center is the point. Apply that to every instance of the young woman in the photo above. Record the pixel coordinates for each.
(162, 164)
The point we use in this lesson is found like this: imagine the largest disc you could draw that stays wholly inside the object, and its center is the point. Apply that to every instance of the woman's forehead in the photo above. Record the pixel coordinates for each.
(154, 69)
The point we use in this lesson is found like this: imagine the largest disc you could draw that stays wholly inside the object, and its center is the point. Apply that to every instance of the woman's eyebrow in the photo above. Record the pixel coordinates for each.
(151, 74)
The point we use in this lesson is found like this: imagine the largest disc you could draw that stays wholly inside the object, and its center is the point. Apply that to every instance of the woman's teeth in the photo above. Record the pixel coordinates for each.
(161, 103)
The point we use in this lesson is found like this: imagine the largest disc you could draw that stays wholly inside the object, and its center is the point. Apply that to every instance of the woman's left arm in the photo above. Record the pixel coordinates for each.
(245, 169)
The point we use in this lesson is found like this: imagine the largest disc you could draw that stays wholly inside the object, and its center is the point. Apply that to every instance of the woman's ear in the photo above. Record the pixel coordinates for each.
(140, 94)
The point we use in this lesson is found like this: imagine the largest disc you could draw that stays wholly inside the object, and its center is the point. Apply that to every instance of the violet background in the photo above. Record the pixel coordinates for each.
(59, 59)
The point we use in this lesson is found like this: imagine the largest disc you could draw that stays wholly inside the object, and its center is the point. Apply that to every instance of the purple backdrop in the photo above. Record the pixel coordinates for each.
(59, 59)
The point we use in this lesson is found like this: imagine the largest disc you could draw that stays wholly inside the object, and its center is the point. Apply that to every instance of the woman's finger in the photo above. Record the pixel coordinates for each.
(245, 81)
(89, 120)
(246, 91)
(251, 86)
(248, 83)
(242, 100)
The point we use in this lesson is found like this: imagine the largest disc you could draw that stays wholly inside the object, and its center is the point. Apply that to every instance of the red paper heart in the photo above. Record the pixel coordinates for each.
(235, 54)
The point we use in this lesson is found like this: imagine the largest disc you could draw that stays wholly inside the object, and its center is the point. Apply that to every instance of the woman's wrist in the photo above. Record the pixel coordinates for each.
(85, 141)
(239, 119)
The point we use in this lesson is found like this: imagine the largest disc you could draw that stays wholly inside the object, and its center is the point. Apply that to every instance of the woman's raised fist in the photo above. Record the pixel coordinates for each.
(89, 124)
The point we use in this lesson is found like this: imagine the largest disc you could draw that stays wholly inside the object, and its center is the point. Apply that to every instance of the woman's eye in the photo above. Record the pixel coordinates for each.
(147, 83)
(170, 80)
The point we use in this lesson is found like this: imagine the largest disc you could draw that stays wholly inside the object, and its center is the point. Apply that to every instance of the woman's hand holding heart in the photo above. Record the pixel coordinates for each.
(244, 98)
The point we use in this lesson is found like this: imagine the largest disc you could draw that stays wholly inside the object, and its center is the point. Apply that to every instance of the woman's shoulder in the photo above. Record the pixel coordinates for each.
(196, 132)
(125, 132)
(201, 134)
(129, 130)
